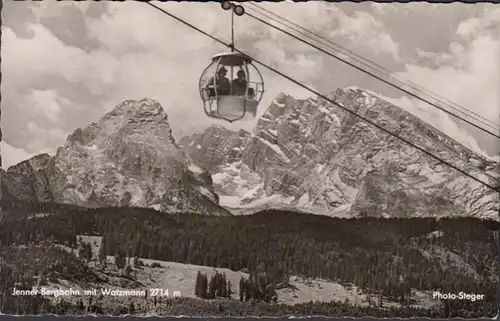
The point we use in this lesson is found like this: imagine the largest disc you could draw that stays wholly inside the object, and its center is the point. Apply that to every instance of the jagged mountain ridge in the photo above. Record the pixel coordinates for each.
(313, 156)
(128, 157)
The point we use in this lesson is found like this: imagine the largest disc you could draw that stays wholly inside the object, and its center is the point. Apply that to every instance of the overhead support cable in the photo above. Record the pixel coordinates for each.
(488, 185)
(373, 75)
(370, 64)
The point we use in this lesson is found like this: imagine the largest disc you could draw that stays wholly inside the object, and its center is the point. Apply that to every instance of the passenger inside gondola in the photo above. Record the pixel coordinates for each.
(239, 85)
(221, 84)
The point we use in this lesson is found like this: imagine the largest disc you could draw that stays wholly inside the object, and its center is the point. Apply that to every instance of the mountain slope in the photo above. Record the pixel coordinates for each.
(217, 145)
(314, 156)
(406, 256)
(128, 157)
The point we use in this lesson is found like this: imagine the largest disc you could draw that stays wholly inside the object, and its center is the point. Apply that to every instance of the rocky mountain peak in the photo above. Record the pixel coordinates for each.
(131, 117)
(36, 162)
(314, 156)
(145, 110)
(127, 158)
(215, 145)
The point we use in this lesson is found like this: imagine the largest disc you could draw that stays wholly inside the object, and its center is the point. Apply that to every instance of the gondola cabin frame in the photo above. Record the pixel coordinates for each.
(231, 106)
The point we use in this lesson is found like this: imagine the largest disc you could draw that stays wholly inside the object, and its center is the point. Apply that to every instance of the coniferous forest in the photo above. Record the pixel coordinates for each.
(388, 258)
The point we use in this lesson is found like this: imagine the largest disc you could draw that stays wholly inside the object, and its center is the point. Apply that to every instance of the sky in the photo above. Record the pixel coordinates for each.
(65, 64)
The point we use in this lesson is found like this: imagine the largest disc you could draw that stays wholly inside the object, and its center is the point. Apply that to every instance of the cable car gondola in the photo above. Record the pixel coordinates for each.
(235, 97)
(231, 87)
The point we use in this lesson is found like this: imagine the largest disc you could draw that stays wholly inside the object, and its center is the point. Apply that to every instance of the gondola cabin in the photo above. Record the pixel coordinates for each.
(231, 87)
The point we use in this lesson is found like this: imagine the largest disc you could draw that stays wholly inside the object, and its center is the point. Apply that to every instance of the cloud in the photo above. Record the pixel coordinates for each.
(30, 65)
(27, 60)
(467, 28)
(468, 75)
(363, 27)
(58, 78)
(46, 103)
(470, 81)
(470, 71)
(13, 155)
(433, 60)
(162, 59)
(44, 140)
(487, 24)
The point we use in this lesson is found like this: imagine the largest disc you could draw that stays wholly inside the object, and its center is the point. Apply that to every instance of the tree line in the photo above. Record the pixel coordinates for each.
(386, 257)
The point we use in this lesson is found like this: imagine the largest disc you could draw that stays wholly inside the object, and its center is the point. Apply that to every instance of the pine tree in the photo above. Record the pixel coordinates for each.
(224, 285)
(204, 286)
(85, 251)
(242, 289)
(42, 279)
(102, 252)
(128, 270)
(197, 286)
(220, 285)
(119, 260)
(44, 309)
(229, 289)
(128, 256)
(211, 287)
(80, 308)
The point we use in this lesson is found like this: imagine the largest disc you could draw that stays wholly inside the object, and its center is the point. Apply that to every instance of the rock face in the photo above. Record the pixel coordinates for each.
(311, 155)
(217, 145)
(127, 158)
(28, 180)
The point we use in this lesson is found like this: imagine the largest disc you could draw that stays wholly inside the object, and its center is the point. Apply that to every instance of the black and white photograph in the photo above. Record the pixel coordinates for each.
(247, 159)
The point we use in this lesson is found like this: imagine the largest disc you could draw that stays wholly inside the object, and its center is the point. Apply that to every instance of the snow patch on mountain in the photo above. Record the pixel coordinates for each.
(195, 169)
(310, 155)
